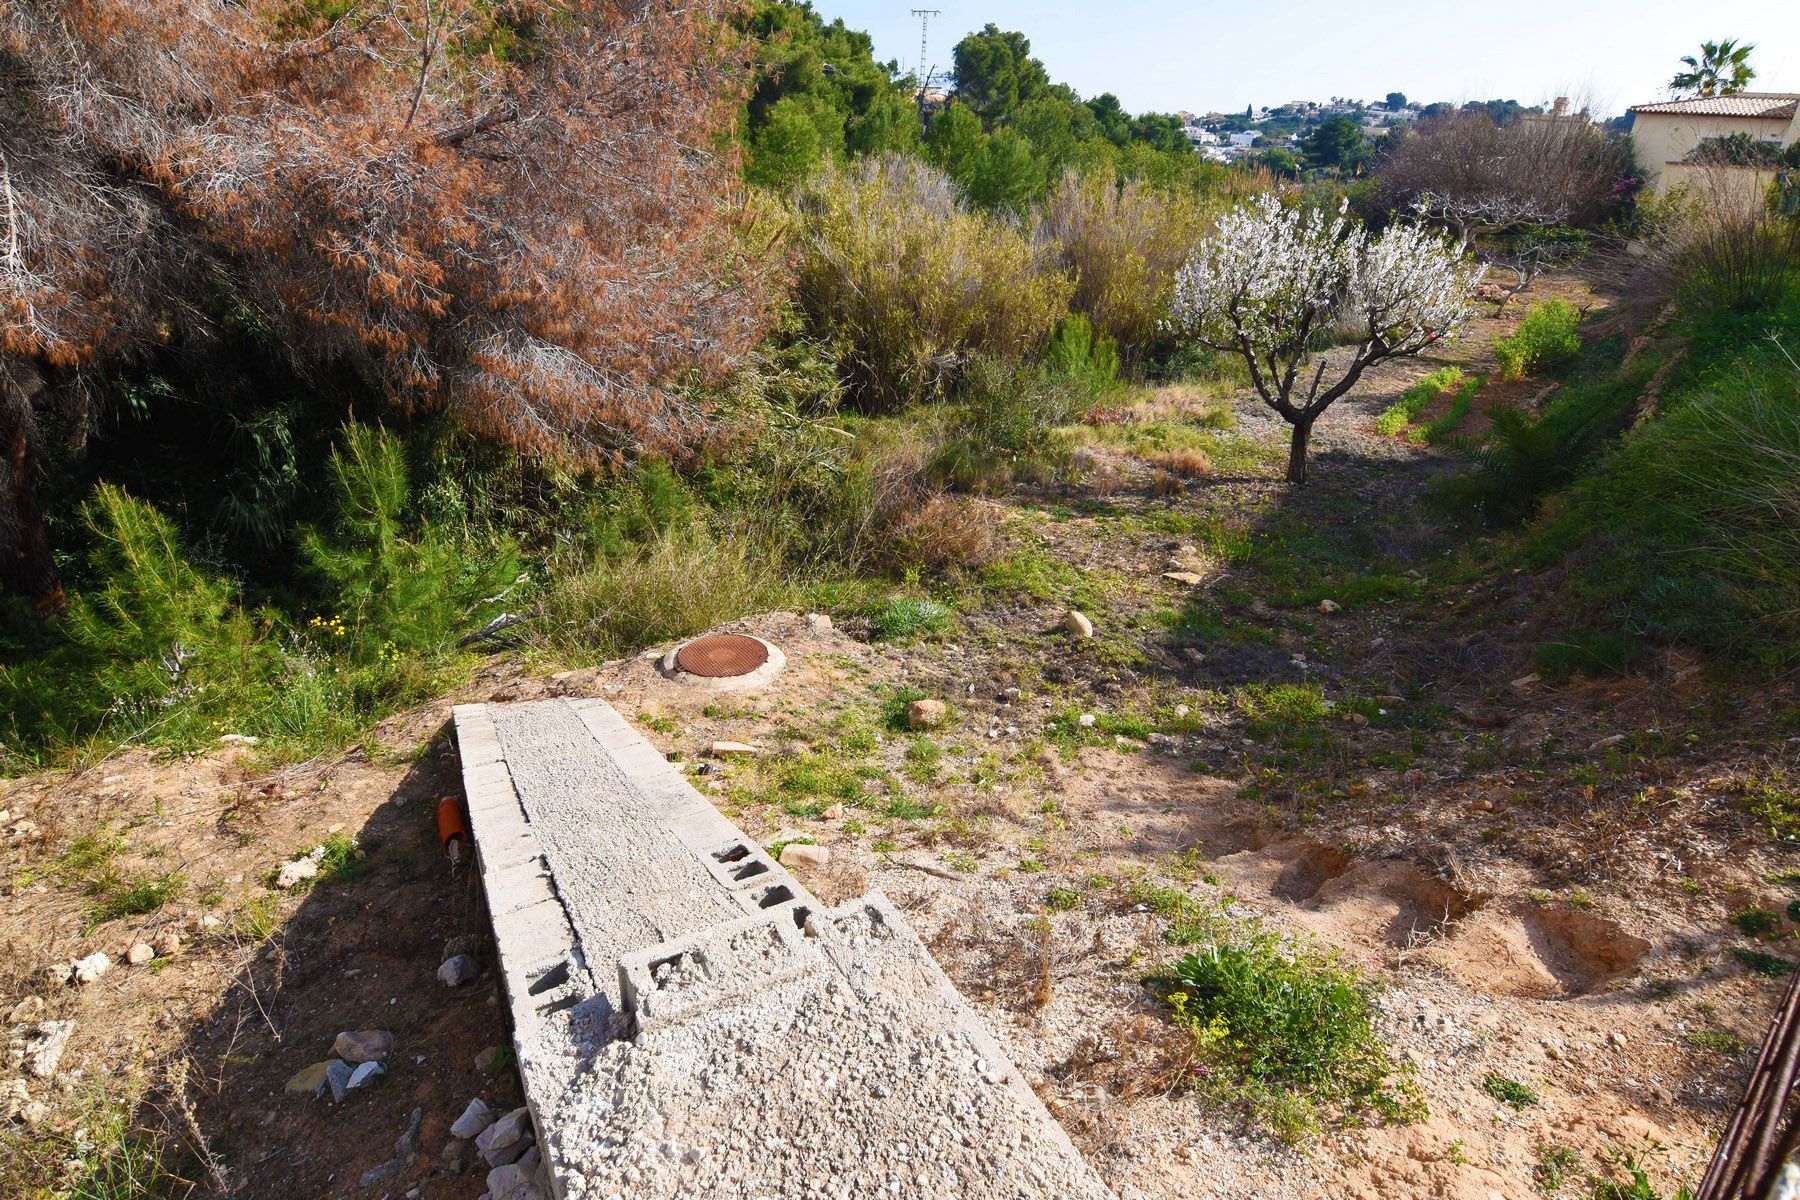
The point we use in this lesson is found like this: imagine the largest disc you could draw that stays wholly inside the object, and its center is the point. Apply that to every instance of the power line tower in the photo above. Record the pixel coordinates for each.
(924, 15)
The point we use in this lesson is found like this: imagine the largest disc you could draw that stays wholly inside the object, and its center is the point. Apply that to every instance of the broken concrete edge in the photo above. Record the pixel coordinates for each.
(770, 668)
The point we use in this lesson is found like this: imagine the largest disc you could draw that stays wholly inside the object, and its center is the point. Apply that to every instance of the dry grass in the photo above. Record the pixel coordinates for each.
(942, 533)
(1183, 464)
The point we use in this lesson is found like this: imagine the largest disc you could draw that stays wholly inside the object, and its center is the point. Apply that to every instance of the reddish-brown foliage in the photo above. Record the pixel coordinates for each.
(515, 210)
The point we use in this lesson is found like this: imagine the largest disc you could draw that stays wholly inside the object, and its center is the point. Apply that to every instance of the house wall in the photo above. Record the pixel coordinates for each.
(1661, 139)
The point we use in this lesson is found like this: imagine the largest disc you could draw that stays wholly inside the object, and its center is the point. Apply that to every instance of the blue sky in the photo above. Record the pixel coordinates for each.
(1210, 55)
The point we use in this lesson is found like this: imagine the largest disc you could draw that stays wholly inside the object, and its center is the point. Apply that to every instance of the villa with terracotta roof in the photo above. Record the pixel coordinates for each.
(1665, 136)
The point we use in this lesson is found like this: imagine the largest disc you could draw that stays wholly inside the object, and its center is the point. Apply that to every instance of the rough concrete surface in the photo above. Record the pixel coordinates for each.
(689, 1019)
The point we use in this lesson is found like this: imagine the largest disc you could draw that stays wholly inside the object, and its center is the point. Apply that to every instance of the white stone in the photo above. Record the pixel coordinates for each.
(800, 854)
(292, 873)
(365, 1075)
(1328, 606)
(44, 1047)
(1078, 624)
(475, 1118)
(86, 970)
(732, 749)
(139, 954)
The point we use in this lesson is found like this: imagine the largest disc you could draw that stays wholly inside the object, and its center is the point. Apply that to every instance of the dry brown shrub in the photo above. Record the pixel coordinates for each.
(1165, 485)
(1183, 464)
(942, 533)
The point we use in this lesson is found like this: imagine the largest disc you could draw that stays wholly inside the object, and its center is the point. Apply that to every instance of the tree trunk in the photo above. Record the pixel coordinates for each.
(1296, 471)
(26, 567)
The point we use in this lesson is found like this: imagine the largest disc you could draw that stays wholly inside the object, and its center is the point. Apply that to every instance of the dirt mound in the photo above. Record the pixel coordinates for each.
(1540, 951)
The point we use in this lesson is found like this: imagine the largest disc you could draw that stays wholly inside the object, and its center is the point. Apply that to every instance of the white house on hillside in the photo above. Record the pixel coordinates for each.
(1665, 136)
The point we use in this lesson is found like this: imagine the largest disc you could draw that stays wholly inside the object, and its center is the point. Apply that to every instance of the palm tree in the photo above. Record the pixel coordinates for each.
(1723, 69)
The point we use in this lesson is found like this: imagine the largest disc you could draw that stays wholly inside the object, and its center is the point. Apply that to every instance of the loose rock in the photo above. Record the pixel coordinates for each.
(800, 854)
(475, 1118)
(337, 1078)
(308, 1080)
(366, 1075)
(732, 749)
(44, 1047)
(1078, 624)
(167, 943)
(927, 714)
(1329, 606)
(293, 873)
(504, 1140)
(1185, 578)
(458, 970)
(363, 1045)
(86, 970)
(139, 954)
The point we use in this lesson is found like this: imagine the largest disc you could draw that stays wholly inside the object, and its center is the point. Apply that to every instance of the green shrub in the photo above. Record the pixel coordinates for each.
(391, 588)
(905, 284)
(1546, 337)
(1123, 242)
(1701, 520)
(1524, 456)
(1086, 361)
(1285, 1030)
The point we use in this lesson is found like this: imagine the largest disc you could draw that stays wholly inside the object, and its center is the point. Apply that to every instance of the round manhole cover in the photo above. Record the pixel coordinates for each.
(721, 655)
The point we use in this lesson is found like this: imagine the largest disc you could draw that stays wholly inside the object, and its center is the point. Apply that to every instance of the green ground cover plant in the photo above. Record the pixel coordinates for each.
(1413, 400)
(1280, 1028)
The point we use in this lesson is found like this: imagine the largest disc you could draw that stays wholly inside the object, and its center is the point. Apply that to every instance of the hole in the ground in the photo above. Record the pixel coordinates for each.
(1232, 837)
(1539, 951)
(1393, 901)
(1308, 869)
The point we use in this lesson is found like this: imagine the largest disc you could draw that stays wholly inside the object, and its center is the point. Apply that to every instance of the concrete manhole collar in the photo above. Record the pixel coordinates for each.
(724, 662)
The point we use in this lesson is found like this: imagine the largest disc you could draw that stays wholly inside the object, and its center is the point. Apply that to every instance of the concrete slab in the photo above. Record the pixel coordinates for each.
(690, 1020)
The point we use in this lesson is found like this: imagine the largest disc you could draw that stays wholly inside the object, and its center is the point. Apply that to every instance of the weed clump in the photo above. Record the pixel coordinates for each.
(1283, 1030)
(1546, 337)
(909, 617)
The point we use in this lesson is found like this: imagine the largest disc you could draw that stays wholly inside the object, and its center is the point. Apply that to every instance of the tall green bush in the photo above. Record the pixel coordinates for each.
(392, 587)
(905, 284)
(1123, 241)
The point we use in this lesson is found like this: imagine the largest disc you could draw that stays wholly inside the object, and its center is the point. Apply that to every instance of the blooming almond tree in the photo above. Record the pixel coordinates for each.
(1272, 279)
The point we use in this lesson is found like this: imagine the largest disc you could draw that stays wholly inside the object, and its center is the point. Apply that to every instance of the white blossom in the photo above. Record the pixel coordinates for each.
(1272, 279)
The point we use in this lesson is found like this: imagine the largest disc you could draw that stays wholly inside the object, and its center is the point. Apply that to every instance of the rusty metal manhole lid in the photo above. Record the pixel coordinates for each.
(721, 655)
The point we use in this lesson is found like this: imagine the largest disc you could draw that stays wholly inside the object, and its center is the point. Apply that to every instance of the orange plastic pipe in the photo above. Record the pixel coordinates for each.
(450, 821)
